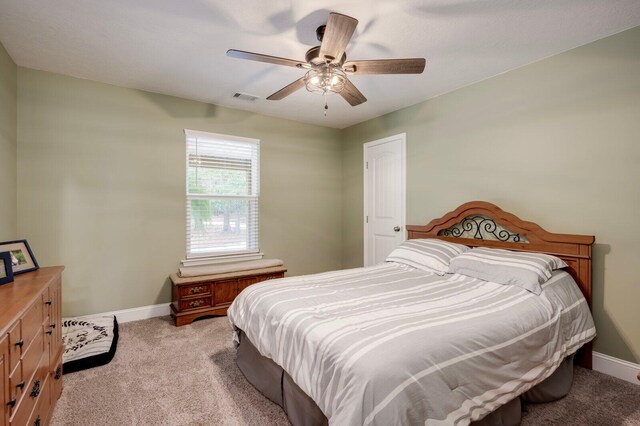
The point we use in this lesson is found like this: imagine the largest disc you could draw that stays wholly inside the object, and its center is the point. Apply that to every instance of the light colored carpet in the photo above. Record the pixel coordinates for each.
(164, 375)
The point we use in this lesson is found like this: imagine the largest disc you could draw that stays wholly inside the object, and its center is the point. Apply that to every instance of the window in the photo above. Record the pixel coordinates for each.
(223, 187)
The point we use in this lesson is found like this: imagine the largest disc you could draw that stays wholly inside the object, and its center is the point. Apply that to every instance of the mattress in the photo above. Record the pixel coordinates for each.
(390, 344)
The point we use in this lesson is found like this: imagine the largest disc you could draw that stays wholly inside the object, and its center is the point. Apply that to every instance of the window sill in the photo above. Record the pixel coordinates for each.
(212, 260)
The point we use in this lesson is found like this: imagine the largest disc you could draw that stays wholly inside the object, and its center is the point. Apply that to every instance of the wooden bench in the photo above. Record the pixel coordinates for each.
(196, 297)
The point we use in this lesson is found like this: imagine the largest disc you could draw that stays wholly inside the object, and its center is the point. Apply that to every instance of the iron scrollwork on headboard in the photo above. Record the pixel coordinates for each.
(482, 228)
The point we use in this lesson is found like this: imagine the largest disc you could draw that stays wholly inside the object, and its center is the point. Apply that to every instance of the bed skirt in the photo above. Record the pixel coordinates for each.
(274, 383)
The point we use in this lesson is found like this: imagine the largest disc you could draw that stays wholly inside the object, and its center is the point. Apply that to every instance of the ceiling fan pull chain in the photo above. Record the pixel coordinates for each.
(326, 107)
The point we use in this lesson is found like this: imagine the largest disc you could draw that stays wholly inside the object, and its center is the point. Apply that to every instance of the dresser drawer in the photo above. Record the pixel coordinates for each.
(17, 386)
(201, 302)
(46, 303)
(32, 356)
(32, 323)
(43, 405)
(55, 377)
(195, 290)
(34, 391)
(16, 344)
(55, 295)
(4, 365)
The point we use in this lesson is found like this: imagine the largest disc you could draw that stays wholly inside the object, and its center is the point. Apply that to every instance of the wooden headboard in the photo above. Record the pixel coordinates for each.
(482, 224)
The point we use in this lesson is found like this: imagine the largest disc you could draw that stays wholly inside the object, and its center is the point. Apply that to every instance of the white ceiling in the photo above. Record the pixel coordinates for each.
(177, 47)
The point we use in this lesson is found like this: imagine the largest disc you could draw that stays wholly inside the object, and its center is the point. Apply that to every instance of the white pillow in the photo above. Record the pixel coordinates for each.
(524, 269)
(430, 255)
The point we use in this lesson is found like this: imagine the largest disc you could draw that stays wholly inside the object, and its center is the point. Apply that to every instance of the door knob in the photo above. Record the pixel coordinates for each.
(396, 228)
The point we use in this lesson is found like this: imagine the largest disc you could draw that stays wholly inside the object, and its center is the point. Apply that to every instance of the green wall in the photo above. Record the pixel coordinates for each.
(556, 142)
(101, 174)
(8, 147)
(101, 178)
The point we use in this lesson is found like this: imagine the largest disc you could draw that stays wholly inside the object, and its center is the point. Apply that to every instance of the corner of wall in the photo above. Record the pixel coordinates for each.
(8, 146)
(342, 139)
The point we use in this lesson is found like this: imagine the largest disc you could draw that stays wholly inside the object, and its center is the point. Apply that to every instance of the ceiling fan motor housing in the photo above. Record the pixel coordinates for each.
(320, 32)
(313, 57)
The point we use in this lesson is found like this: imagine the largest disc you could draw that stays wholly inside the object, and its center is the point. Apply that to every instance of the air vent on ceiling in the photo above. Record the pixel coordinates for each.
(246, 97)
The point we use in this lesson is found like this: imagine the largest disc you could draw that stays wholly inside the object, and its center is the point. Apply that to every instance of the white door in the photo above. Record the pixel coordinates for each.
(384, 197)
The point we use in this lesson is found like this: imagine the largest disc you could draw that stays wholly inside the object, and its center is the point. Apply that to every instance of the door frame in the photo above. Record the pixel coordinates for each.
(403, 195)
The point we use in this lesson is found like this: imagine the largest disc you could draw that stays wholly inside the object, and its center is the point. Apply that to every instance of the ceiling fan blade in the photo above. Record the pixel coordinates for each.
(241, 54)
(351, 94)
(336, 36)
(386, 66)
(287, 90)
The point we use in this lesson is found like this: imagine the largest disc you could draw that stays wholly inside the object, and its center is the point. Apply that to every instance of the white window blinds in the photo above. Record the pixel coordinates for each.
(223, 188)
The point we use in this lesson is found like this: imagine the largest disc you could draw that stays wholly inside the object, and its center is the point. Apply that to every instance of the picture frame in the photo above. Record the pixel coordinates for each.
(21, 256)
(6, 271)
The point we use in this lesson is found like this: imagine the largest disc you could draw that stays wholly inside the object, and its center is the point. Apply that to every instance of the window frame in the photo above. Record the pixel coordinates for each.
(192, 259)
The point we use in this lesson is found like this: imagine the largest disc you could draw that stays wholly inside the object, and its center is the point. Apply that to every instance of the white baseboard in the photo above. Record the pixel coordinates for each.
(140, 313)
(616, 367)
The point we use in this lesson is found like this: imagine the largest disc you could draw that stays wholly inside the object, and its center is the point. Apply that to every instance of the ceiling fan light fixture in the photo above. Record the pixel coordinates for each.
(325, 79)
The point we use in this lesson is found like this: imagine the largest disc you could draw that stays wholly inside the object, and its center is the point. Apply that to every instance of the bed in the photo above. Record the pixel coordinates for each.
(392, 344)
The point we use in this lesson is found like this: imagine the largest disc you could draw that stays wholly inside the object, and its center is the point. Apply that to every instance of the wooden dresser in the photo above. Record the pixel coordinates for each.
(31, 347)
(197, 297)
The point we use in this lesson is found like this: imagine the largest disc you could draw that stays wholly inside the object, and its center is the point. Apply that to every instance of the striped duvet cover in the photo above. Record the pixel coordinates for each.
(389, 344)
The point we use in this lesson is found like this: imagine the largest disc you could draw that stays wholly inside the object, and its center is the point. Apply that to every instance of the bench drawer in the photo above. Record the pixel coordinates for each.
(195, 290)
(197, 303)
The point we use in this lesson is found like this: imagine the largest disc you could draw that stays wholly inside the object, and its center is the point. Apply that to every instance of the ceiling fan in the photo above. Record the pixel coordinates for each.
(327, 64)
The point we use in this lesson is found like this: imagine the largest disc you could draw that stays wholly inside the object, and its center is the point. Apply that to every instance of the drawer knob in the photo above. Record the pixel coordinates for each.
(37, 421)
(36, 389)
(12, 402)
(48, 302)
(196, 303)
(53, 325)
(50, 332)
(58, 373)
(196, 290)
(20, 343)
(20, 385)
